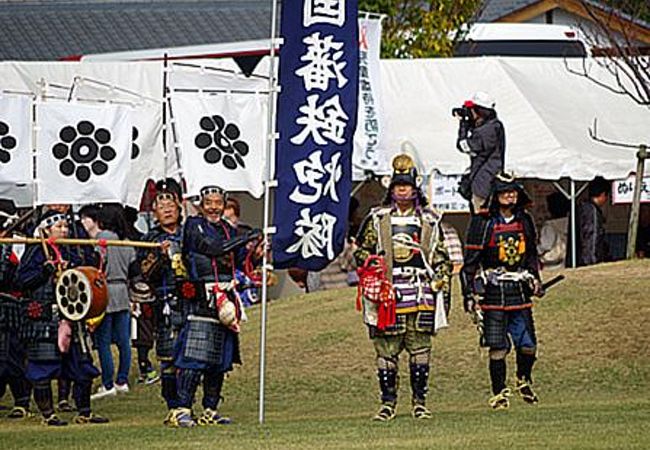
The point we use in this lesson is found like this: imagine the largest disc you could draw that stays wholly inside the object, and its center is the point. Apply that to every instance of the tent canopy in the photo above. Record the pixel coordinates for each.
(546, 110)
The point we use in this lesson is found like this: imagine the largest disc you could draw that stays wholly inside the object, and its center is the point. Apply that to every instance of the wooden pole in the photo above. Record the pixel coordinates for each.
(94, 242)
(641, 155)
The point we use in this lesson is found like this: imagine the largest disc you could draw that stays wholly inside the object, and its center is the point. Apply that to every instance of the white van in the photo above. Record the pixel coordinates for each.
(521, 39)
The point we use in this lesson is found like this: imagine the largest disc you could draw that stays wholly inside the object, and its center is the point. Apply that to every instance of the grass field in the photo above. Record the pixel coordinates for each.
(593, 378)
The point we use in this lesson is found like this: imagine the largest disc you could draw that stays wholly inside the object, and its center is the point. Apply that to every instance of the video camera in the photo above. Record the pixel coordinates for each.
(465, 114)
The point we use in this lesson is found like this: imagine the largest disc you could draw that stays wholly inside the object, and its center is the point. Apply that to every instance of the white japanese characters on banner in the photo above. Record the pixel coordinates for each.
(222, 138)
(623, 190)
(15, 145)
(83, 153)
(367, 154)
(316, 122)
(443, 193)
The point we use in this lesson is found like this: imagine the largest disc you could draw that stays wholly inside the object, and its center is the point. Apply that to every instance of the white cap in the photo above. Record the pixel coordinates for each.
(482, 99)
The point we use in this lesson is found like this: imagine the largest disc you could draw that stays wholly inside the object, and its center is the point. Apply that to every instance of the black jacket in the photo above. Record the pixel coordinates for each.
(486, 145)
(590, 235)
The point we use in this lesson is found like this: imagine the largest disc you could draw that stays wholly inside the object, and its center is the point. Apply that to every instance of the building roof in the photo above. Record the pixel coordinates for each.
(53, 29)
(495, 9)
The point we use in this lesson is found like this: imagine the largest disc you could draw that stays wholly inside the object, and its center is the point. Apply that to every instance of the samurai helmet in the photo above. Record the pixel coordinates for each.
(405, 171)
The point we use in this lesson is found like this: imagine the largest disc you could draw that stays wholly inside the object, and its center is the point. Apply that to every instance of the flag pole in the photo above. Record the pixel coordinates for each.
(267, 185)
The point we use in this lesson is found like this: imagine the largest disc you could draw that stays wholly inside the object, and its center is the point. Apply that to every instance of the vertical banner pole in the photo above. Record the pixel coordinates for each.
(267, 179)
(573, 223)
(164, 113)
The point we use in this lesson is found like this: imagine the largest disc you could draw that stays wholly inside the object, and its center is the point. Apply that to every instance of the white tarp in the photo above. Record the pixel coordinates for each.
(546, 111)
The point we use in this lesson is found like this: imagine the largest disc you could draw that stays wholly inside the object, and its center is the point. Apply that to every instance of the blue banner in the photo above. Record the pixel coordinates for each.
(316, 119)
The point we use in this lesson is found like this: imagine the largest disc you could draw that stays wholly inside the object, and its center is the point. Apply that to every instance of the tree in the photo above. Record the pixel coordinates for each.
(613, 34)
(421, 29)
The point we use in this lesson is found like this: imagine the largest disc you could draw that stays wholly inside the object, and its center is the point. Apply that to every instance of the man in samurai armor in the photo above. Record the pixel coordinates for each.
(161, 269)
(12, 349)
(499, 277)
(408, 236)
(208, 345)
(56, 348)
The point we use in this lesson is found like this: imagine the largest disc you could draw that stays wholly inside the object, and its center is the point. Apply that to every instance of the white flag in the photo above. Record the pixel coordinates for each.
(367, 154)
(83, 153)
(147, 153)
(16, 149)
(222, 140)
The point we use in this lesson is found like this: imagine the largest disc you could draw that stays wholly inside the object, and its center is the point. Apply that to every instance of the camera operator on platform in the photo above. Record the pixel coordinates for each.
(482, 136)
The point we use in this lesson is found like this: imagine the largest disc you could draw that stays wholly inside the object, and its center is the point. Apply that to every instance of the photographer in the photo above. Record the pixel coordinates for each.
(482, 136)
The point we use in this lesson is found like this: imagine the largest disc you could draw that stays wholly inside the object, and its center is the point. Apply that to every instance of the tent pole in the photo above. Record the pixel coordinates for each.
(573, 223)
(267, 181)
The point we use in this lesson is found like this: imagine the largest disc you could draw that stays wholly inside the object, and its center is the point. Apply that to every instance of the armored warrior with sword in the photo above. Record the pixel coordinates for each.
(499, 278)
(404, 271)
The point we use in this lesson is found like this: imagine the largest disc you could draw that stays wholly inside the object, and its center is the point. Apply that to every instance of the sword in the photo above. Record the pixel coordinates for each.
(552, 282)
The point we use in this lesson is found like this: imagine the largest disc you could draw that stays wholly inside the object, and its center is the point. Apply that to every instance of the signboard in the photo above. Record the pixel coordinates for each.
(623, 190)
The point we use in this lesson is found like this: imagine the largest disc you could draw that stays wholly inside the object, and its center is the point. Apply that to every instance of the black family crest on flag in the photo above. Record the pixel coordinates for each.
(221, 142)
(83, 150)
(7, 143)
(135, 149)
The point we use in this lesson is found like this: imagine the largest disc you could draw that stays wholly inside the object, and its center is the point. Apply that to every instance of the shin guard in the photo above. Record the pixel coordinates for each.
(525, 362)
(168, 387)
(419, 382)
(498, 375)
(21, 389)
(212, 384)
(188, 382)
(81, 394)
(388, 385)
(43, 397)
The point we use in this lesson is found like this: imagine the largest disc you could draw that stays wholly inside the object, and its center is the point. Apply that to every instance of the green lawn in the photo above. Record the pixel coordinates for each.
(593, 378)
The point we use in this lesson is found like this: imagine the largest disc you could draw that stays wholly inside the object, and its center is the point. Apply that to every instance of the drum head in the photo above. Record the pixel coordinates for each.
(73, 295)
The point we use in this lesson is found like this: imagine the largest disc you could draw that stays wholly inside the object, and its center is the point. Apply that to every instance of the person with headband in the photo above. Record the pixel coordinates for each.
(161, 269)
(208, 344)
(407, 236)
(48, 355)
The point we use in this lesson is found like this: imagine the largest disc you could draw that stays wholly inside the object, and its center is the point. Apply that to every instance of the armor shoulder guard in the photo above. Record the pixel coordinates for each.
(432, 216)
(379, 211)
(476, 232)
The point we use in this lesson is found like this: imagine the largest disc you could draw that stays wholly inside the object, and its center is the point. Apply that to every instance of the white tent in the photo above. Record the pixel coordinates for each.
(546, 110)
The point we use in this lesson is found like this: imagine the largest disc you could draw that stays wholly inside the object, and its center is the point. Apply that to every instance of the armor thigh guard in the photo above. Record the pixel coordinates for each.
(415, 340)
(204, 342)
(495, 330)
(164, 343)
(388, 347)
(521, 328)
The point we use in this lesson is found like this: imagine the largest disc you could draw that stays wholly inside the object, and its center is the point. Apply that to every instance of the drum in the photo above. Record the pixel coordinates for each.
(81, 293)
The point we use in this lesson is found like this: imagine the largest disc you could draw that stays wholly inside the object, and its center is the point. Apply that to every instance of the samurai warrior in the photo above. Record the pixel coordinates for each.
(499, 277)
(161, 269)
(208, 344)
(56, 348)
(12, 350)
(407, 235)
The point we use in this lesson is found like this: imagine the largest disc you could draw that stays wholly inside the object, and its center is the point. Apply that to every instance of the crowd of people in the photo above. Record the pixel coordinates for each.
(181, 288)
(180, 296)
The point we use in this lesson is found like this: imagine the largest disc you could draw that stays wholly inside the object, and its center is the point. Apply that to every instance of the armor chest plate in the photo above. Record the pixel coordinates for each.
(406, 235)
(508, 243)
